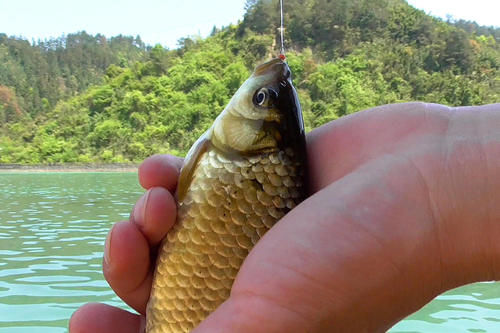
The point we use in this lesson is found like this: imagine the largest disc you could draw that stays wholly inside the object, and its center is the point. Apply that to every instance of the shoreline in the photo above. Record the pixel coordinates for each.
(76, 168)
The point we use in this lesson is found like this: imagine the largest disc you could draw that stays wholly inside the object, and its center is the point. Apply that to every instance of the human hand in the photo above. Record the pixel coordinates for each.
(404, 205)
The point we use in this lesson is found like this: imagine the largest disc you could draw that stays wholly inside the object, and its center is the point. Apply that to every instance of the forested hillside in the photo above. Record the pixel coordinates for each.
(40, 75)
(88, 99)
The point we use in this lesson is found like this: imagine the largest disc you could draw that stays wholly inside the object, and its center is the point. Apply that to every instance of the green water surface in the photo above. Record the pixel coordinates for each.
(52, 231)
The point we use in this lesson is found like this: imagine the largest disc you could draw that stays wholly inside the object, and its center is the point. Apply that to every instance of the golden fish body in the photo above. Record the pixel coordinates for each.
(238, 180)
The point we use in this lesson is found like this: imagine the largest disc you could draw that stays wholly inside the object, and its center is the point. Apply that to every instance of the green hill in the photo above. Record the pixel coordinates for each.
(122, 103)
(43, 73)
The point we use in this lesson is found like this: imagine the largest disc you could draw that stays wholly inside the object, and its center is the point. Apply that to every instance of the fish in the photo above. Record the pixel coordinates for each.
(239, 178)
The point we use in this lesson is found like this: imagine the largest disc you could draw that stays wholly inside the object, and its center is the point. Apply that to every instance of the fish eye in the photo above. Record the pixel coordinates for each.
(265, 97)
(261, 97)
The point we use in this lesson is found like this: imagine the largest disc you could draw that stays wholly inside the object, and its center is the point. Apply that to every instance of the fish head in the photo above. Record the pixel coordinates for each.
(264, 115)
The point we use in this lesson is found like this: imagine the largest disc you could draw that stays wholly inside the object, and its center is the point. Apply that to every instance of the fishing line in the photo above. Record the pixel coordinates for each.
(282, 31)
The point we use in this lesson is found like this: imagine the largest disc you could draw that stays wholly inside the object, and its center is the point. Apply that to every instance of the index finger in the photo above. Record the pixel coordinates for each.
(160, 171)
(339, 147)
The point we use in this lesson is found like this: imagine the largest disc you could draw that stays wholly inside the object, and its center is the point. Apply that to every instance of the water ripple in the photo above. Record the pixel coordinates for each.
(52, 231)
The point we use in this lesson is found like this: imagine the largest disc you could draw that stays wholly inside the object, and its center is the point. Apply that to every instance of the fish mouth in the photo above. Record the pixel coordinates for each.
(276, 67)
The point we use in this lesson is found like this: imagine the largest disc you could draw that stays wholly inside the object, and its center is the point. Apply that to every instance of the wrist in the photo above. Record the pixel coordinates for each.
(465, 190)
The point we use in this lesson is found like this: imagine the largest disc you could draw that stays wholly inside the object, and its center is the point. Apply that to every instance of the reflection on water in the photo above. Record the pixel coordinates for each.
(473, 308)
(52, 231)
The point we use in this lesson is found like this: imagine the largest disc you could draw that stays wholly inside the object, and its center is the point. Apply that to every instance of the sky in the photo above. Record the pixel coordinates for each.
(165, 21)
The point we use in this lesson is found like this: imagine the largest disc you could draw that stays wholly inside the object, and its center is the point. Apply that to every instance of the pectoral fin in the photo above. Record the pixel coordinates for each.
(199, 148)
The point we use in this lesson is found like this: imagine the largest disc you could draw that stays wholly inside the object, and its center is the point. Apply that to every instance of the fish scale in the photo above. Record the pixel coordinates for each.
(216, 229)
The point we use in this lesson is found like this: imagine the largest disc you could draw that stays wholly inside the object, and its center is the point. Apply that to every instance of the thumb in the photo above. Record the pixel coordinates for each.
(270, 294)
(250, 313)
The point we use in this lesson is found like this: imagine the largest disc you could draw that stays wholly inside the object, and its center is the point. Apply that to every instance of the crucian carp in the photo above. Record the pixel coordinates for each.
(243, 175)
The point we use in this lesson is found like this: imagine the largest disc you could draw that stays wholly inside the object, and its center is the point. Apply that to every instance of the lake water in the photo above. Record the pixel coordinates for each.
(52, 231)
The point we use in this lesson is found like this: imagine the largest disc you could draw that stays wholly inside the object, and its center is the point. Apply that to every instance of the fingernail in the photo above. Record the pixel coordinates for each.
(107, 247)
(140, 209)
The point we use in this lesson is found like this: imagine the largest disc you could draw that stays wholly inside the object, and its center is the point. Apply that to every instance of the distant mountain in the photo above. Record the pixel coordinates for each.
(86, 99)
(51, 70)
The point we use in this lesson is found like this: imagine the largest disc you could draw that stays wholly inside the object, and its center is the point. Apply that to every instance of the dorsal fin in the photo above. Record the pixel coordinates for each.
(199, 148)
